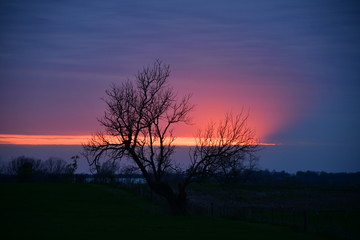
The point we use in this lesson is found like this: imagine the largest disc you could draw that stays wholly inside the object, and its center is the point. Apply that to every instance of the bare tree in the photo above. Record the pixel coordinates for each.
(105, 173)
(2, 167)
(139, 121)
(58, 166)
(54, 166)
(225, 150)
(25, 168)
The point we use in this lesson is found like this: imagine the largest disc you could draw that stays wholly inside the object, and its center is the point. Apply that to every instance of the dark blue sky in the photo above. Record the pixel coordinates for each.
(295, 64)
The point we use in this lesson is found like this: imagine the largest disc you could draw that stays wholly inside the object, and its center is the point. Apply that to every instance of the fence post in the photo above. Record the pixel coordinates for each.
(305, 221)
(212, 209)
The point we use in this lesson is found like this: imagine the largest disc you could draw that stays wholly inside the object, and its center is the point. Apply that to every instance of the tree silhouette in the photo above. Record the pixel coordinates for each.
(25, 168)
(225, 150)
(138, 122)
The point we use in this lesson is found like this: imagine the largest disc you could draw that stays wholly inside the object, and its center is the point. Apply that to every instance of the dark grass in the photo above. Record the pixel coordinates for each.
(331, 209)
(273, 187)
(80, 211)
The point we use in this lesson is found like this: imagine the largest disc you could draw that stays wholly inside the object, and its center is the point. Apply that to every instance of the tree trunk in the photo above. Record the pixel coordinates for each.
(177, 201)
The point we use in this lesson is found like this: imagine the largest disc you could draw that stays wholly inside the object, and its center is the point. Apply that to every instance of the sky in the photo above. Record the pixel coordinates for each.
(295, 65)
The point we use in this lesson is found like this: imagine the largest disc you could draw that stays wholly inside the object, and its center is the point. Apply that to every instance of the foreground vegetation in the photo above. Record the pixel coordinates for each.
(329, 209)
(87, 211)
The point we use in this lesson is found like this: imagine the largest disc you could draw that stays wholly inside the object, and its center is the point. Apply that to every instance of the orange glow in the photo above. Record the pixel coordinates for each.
(272, 107)
(72, 140)
(43, 139)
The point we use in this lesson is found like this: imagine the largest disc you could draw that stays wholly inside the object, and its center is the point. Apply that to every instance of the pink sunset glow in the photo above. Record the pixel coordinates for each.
(72, 140)
(270, 108)
(293, 67)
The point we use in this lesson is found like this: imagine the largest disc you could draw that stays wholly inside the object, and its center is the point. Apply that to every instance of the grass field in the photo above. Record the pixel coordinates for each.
(80, 211)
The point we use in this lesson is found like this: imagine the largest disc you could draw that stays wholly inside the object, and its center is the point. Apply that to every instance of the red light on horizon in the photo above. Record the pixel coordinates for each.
(18, 139)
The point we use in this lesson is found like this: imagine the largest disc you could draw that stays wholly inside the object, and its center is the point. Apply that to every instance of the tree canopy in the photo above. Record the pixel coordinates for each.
(138, 124)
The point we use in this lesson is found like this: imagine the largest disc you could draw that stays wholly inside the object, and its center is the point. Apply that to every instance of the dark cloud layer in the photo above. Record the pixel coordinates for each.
(57, 57)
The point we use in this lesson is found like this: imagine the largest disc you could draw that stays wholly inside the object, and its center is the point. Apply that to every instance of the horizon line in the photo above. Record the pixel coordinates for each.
(37, 139)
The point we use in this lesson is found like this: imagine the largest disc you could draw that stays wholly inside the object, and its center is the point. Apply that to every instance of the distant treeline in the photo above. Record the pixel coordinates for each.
(25, 169)
(259, 177)
(303, 178)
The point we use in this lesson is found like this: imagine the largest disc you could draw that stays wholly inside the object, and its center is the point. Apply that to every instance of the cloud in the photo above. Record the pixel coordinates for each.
(59, 56)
